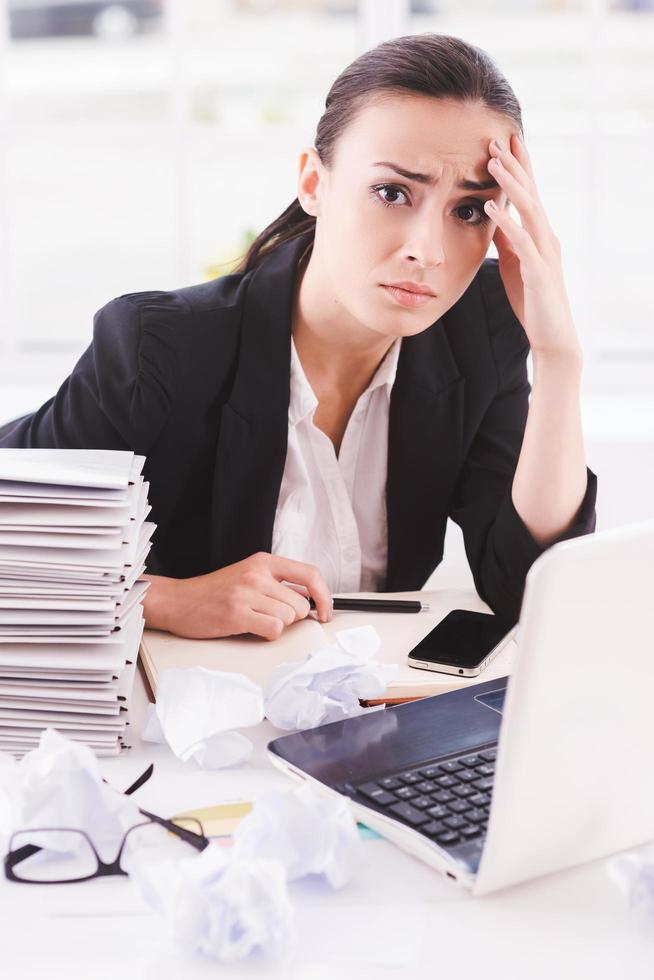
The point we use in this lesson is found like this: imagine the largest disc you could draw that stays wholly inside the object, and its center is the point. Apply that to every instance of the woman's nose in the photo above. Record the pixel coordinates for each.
(426, 245)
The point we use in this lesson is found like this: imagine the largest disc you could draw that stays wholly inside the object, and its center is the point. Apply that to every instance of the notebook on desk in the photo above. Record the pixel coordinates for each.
(399, 633)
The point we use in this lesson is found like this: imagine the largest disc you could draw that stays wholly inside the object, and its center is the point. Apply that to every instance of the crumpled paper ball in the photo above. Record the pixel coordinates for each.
(307, 833)
(219, 906)
(327, 686)
(59, 784)
(197, 711)
(633, 872)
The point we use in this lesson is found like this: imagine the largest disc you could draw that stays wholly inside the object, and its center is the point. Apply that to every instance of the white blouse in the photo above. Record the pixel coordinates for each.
(331, 510)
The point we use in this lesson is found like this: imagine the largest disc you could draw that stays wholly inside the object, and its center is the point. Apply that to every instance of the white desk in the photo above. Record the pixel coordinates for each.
(397, 920)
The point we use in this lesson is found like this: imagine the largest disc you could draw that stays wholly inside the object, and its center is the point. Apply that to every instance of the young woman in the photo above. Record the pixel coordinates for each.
(311, 420)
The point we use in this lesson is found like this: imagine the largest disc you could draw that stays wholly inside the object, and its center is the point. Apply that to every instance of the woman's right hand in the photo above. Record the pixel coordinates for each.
(247, 597)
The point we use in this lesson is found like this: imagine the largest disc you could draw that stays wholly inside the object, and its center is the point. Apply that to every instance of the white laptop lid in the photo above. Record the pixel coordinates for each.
(574, 779)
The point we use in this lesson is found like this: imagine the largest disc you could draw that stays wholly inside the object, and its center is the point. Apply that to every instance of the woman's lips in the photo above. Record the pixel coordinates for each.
(406, 298)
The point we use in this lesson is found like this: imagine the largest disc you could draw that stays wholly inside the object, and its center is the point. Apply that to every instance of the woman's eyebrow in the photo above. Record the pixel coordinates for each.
(467, 185)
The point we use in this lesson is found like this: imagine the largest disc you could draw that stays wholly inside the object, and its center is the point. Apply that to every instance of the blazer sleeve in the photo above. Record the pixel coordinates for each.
(121, 390)
(499, 547)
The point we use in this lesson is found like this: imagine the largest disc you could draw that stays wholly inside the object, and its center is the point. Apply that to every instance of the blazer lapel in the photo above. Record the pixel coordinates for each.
(424, 453)
(252, 442)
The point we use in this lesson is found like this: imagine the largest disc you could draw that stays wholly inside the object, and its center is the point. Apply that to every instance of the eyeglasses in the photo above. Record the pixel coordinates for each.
(58, 855)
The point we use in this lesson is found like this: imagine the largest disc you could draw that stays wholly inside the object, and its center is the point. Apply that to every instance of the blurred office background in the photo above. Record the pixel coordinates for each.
(143, 143)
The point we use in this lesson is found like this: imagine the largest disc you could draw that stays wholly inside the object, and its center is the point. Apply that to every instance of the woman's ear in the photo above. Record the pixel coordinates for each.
(309, 181)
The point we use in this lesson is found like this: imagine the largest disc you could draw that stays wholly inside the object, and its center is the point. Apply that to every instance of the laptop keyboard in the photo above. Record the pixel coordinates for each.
(447, 801)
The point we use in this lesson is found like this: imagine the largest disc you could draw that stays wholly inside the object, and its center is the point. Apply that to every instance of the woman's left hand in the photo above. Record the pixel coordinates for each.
(530, 255)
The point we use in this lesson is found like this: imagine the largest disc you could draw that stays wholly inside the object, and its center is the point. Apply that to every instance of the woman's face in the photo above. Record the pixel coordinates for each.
(376, 226)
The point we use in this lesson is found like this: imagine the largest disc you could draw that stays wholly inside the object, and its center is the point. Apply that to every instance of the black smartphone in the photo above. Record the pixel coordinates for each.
(464, 642)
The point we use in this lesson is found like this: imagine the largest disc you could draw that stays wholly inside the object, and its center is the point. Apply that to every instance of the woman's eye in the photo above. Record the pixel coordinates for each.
(467, 211)
(391, 190)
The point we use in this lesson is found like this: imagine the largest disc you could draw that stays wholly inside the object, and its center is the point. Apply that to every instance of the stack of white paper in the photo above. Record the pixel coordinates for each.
(73, 544)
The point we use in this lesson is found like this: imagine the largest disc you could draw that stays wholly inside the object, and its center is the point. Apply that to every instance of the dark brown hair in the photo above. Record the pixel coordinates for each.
(436, 65)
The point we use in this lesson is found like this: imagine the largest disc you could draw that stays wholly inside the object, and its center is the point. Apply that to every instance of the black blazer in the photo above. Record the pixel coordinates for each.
(197, 380)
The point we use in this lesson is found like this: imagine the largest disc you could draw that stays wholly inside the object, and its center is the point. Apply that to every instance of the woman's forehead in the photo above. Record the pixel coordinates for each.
(423, 134)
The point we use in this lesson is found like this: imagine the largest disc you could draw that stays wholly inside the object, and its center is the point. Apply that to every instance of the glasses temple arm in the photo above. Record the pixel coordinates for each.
(143, 778)
(199, 841)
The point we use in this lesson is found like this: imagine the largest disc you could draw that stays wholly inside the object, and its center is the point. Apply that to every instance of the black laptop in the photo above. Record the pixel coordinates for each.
(427, 765)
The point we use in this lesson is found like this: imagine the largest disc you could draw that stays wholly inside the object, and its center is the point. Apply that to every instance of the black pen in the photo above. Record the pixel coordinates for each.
(378, 605)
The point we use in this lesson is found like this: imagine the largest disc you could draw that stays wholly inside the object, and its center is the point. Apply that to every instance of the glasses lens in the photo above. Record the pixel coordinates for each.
(52, 855)
(150, 841)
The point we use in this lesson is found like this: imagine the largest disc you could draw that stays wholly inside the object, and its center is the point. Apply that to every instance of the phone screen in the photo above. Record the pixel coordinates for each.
(462, 639)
